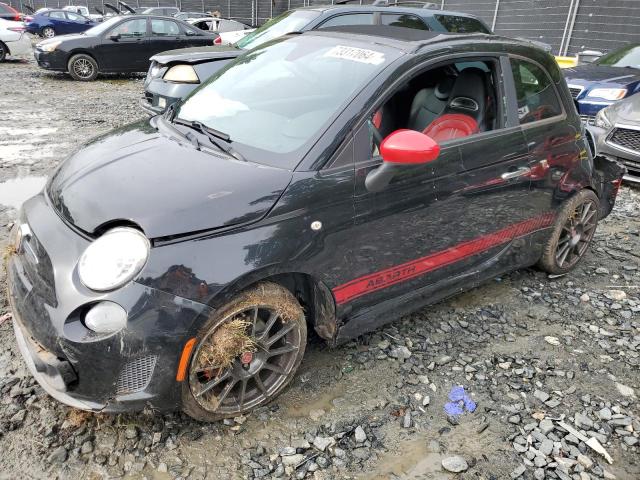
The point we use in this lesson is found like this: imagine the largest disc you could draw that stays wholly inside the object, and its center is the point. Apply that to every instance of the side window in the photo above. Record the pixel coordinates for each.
(537, 98)
(405, 21)
(75, 17)
(164, 27)
(447, 102)
(58, 15)
(461, 24)
(131, 28)
(349, 19)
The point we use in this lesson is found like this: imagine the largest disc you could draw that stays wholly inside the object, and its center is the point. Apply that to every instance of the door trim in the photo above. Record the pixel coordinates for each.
(406, 271)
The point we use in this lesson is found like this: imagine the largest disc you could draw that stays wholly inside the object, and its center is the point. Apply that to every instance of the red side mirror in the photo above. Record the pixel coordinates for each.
(399, 148)
(409, 147)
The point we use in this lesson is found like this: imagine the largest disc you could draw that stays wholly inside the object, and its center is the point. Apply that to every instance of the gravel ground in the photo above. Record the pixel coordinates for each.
(550, 367)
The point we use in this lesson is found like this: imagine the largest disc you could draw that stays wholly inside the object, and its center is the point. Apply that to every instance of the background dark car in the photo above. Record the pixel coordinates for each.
(50, 23)
(7, 12)
(163, 85)
(608, 79)
(119, 44)
(616, 132)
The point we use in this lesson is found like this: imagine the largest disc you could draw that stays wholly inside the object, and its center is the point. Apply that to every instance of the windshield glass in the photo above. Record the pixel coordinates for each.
(288, 22)
(103, 27)
(625, 57)
(274, 100)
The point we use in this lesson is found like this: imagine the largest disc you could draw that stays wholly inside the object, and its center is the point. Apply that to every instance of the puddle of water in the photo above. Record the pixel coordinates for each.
(14, 192)
(32, 132)
(417, 462)
(301, 407)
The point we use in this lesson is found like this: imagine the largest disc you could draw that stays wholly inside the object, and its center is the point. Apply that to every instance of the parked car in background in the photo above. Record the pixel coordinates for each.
(119, 44)
(608, 79)
(190, 15)
(164, 11)
(84, 11)
(187, 69)
(180, 261)
(616, 132)
(7, 12)
(50, 23)
(13, 39)
(229, 31)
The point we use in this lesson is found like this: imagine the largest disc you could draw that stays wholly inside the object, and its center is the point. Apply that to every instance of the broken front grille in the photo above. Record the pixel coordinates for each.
(588, 119)
(136, 375)
(626, 138)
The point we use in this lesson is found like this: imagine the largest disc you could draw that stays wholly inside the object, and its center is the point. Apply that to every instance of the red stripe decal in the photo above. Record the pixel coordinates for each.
(400, 273)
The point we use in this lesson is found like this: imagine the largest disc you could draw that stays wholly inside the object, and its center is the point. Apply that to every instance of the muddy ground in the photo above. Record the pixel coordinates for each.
(530, 351)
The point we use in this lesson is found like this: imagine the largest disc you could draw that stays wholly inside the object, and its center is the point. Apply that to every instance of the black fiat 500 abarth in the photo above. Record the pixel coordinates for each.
(330, 181)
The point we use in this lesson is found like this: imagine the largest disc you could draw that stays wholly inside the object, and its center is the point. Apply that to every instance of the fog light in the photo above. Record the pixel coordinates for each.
(162, 102)
(106, 317)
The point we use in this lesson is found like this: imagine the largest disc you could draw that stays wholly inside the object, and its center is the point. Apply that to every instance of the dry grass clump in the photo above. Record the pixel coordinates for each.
(227, 342)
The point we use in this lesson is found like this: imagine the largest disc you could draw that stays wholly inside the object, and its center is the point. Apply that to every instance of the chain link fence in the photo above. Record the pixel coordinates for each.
(569, 26)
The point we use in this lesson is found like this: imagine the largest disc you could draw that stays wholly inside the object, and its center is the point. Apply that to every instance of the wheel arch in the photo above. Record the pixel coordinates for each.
(6, 47)
(316, 298)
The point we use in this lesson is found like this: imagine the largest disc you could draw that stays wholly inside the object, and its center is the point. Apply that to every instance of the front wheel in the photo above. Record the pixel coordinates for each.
(245, 354)
(3, 52)
(83, 67)
(572, 233)
(48, 32)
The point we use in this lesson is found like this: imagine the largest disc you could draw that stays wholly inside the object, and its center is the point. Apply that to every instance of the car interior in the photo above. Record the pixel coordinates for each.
(448, 102)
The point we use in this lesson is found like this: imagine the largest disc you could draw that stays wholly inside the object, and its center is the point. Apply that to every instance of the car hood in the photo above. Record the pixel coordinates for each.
(197, 54)
(136, 174)
(625, 111)
(586, 74)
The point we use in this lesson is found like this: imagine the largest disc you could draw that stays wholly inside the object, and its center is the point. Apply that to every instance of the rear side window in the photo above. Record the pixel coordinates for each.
(164, 28)
(59, 15)
(461, 24)
(75, 17)
(537, 98)
(405, 21)
(350, 19)
(4, 9)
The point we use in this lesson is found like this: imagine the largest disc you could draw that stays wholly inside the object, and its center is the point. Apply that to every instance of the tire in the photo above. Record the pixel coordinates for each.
(3, 52)
(274, 320)
(572, 233)
(83, 67)
(48, 32)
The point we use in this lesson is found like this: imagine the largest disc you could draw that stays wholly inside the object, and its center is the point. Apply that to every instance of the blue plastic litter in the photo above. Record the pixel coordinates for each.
(460, 402)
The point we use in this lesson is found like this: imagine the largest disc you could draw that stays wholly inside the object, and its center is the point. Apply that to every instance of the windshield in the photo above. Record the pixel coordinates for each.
(288, 22)
(274, 100)
(103, 27)
(625, 57)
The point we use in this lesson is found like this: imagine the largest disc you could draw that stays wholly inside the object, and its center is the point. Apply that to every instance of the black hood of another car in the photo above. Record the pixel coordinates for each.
(135, 174)
(602, 73)
(198, 54)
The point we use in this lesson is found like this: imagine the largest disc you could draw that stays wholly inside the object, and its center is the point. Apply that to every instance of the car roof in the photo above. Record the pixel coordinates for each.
(408, 40)
(422, 12)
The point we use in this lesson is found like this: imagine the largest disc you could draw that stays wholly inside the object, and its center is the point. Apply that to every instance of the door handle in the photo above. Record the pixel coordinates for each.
(519, 172)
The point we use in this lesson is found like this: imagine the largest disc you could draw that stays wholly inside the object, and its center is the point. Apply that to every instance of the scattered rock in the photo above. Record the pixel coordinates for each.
(455, 464)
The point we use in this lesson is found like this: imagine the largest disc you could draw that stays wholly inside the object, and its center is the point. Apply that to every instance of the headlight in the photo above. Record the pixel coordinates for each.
(181, 74)
(155, 69)
(114, 259)
(601, 119)
(49, 47)
(608, 93)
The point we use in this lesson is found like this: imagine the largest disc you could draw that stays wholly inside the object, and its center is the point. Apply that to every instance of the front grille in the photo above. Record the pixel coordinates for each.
(136, 375)
(588, 119)
(631, 165)
(626, 138)
(575, 91)
(38, 268)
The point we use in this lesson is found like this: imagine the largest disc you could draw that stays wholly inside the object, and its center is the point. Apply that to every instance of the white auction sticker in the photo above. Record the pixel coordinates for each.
(356, 54)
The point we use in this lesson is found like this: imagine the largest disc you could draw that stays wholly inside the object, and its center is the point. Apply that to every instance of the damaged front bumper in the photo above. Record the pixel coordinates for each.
(122, 371)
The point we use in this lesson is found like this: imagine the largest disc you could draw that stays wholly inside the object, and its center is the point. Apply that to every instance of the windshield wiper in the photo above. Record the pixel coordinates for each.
(213, 135)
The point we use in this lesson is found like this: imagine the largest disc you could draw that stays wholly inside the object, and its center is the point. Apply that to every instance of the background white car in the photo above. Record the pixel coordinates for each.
(84, 11)
(229, 31)
(13, 39)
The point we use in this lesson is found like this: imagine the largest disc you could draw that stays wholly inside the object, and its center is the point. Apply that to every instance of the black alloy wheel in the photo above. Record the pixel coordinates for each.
(272, 326)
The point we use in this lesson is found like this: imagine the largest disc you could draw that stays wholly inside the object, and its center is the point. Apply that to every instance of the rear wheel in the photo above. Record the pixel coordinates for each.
(572, 233)
(3, 52)
(245, 354)
(83, 67)
(48, 32)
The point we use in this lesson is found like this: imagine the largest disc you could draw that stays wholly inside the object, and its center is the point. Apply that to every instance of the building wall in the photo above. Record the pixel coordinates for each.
(569, 26)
